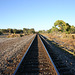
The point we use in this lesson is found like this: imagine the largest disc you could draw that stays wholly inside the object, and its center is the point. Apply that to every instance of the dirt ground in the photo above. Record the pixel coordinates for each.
(11, 52)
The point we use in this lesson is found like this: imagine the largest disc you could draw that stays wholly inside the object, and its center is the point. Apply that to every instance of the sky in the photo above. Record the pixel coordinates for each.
(37, 14)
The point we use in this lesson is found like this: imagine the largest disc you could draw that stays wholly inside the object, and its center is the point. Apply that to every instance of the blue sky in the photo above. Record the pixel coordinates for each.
(37, 14)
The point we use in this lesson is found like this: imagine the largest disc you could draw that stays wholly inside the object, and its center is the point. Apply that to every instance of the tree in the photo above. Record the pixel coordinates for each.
(64, 27)
(25, 30)
(9, 30)
(61, 24)
(14, 30)
(54, 29)
(19, 31)
(67, 27)
(40, 31)
(72, 29)
(0, 32)
(30, 31)
(48, 31)
(4, 31)
(72, 26)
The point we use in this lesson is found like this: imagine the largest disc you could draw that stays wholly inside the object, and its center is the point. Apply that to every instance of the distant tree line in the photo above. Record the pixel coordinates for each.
(41, 31)
(61, 26)
(28, 31)
(17, 31)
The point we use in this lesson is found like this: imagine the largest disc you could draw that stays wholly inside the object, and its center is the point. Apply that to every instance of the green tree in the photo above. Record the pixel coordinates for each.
(30, 31)
(4, 30)
(72, 29)
(64, 27)
(25, 30)
(67, 27)
(9, 30)
(0, 32)
(40, 31)
(61, 24)
(14, 30)
(48, 31)
(54, 29)
(72, 26)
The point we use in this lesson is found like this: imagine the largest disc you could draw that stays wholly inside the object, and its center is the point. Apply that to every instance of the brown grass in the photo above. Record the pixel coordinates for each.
(15, 35)
(64, 40)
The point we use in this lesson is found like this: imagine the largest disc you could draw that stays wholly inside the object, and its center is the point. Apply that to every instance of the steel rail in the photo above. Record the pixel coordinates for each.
(27, 52)
(23, 57)
(49, 56)
(47, 42)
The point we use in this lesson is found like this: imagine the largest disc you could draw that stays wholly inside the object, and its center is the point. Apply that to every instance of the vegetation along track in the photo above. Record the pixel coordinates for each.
(36, 61)
(58, 61)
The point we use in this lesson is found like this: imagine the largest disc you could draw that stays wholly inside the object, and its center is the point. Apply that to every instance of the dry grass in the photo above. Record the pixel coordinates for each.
(66, 41)
(15, 35)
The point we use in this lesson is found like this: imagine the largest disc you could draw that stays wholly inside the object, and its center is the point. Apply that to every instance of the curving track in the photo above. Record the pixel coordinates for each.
(36, 61)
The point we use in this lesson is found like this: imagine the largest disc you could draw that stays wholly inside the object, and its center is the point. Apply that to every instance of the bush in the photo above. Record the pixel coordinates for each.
(54, 29)
(67, 32)
(0, 33)
(21, 35)
(13, 35)
(72, 30)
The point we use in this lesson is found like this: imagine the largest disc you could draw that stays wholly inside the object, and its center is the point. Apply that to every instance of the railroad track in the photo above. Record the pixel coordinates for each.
(36, 61)
(62, 68)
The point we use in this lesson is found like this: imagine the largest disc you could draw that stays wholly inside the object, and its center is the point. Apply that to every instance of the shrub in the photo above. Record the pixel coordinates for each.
(0, 32)
(21, 35)
(72, 30)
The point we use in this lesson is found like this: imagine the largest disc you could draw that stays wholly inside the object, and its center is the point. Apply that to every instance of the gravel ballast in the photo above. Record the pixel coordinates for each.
(11, 49)
(67, 58)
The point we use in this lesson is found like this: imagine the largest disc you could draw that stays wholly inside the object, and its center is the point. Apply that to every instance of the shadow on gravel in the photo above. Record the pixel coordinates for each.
(53, 43)
(30, 63)
(61, 58)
